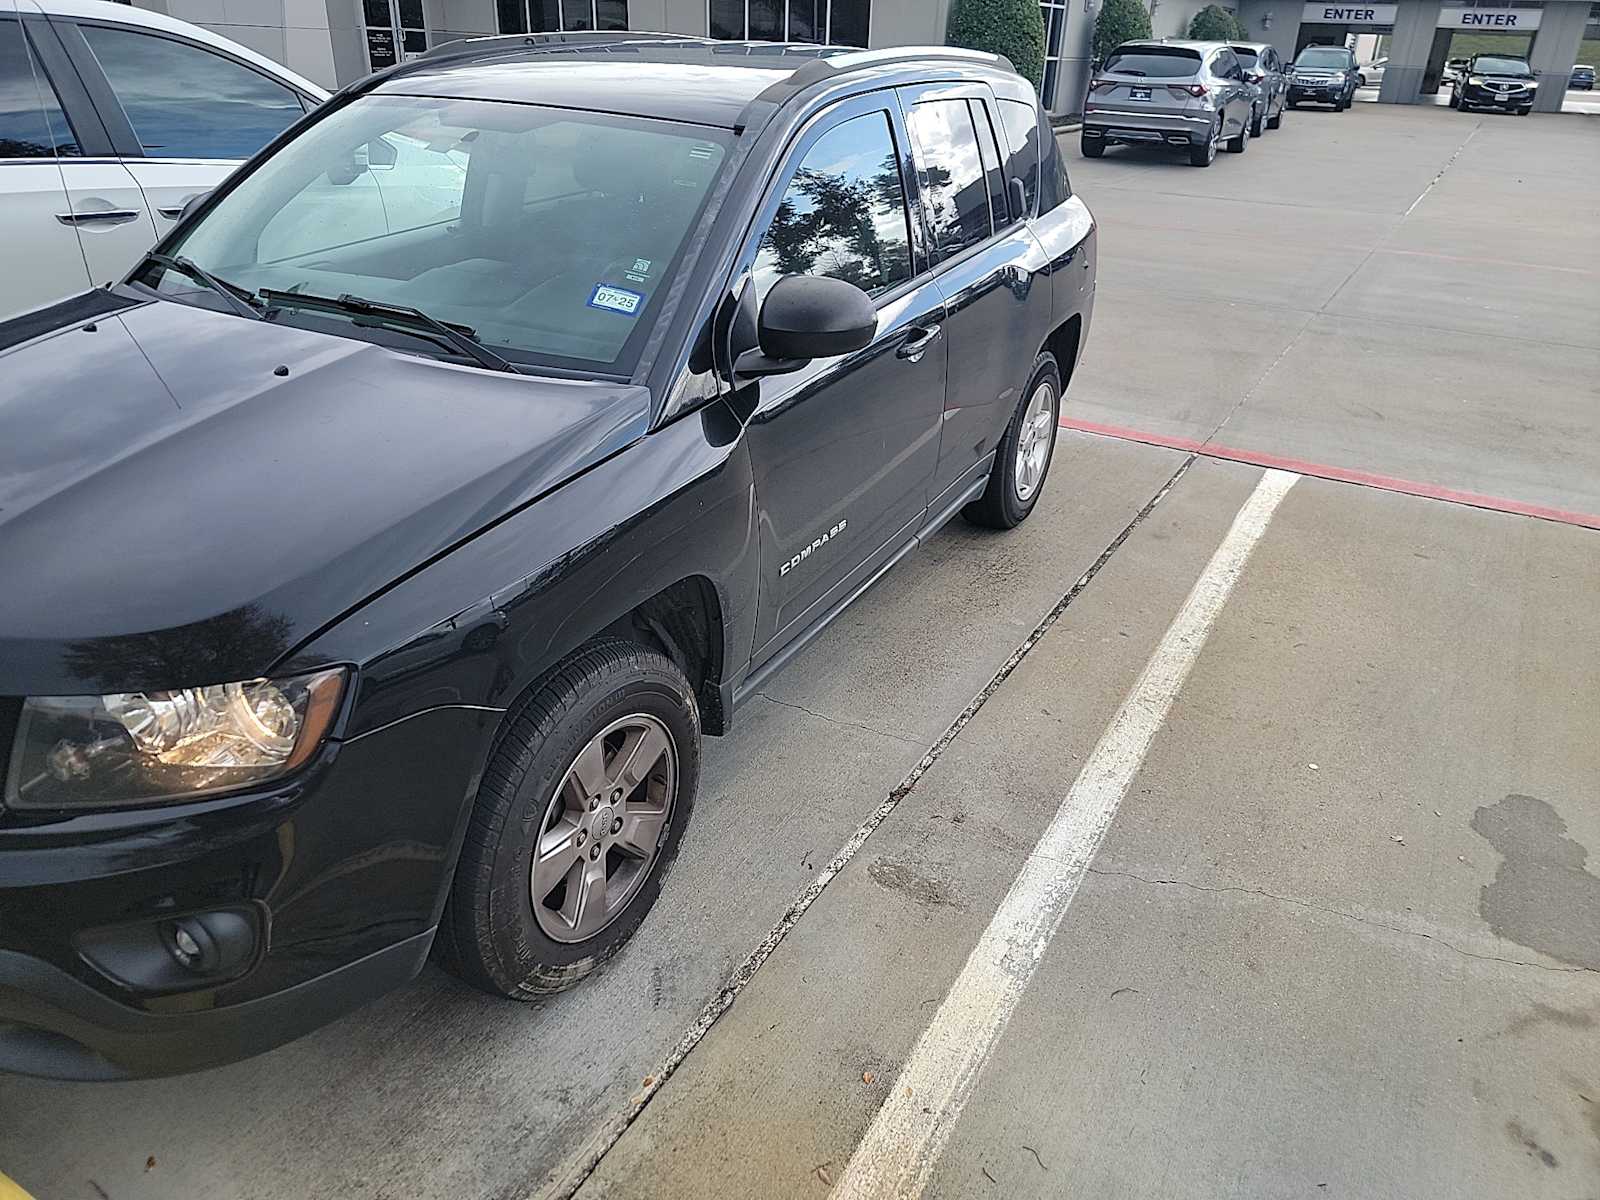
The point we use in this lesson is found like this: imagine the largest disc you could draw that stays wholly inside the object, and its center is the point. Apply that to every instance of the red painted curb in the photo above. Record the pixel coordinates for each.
(1300, 466)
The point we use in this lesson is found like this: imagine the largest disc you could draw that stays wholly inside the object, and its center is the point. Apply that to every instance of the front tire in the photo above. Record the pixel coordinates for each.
(1237, 143)
(1455, 100)
(579, 816)
(1276, 121)
(1017, 478)
(1255, 122)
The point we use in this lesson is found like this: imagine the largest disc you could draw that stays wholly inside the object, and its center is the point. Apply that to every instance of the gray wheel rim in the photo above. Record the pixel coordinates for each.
(1034, 441)
(603, 828)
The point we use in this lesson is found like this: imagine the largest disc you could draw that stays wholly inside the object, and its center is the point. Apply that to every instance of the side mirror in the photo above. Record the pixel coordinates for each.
(806, 317)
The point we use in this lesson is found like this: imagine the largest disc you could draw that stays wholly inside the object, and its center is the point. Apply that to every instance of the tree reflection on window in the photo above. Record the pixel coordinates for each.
(844, 213)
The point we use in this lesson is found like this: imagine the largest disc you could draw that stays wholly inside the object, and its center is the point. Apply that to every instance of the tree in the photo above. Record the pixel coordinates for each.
(1213, 23)
(1119, 21)
(1014, 28)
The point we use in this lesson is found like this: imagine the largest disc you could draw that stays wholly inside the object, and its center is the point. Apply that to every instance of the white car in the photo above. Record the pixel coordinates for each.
(1372, 72)
(111, 119)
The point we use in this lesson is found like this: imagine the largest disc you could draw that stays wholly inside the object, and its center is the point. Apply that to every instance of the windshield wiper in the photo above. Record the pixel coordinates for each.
(461, 338)
(242, 300)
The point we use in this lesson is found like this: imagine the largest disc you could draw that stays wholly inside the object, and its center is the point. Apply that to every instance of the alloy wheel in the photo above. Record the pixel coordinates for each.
(1034, 441)
(603, 828)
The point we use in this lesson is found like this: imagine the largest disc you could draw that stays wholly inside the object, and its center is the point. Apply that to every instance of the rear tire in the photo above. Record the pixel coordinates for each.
(1016, 481)
(1092, 147)
(612, 697)
(1205, 153)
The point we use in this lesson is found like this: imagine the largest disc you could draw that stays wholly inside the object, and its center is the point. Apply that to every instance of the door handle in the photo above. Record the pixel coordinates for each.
(110, 216)
(916, 346)
(170, 211)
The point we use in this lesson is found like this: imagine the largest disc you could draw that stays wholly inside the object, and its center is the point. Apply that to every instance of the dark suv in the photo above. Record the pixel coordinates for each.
(1324, 75)
(378, 551)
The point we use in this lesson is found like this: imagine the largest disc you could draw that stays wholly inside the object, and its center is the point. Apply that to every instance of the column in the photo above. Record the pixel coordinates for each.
(1555, 49)
(1414, 26)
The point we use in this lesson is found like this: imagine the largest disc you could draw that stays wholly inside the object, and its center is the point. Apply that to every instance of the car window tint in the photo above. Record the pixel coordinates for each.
(184, 102)
(843, 214)
(1022, 132)
(989, 147)
(1153, 62)
(32, 124)
(950, 170)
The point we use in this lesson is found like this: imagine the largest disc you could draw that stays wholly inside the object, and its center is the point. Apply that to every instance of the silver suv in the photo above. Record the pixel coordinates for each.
(1178, 95)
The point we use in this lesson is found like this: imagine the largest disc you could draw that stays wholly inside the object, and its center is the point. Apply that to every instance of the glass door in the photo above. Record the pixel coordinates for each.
(396, 31)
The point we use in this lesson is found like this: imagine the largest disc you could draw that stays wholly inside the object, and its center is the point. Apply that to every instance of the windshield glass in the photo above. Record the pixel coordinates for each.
(1157, 64)
(551, 233)
(1490, 65)
(1324, 57)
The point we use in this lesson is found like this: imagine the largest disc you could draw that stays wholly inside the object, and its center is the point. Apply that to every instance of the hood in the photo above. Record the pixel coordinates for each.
(173, 512)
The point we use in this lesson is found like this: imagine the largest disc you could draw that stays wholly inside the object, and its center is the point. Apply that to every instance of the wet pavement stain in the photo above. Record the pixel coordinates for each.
(1542, 897)
(905, 878)
(1548, 1014)
(1529, 1143)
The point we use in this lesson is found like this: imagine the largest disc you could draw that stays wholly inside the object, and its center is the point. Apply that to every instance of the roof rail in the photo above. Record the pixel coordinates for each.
(842, 62)
(500, 43)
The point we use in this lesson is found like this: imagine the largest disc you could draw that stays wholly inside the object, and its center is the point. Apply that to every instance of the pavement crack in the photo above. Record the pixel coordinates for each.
(1344, 914)
(822, 716)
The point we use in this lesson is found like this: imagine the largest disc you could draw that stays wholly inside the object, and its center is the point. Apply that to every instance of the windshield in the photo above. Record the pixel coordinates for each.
(1325, 57)
(1490, 65)
(1157, 64)
(549, 232)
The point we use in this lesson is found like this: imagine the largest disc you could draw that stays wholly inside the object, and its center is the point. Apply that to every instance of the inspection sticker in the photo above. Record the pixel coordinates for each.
(609, 298)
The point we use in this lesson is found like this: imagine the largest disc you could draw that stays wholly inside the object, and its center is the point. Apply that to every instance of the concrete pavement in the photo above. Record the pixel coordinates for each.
(1260, 986)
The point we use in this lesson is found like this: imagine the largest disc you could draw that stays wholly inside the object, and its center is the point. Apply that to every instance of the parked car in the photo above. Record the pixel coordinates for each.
(1371, 75)
(1323, 75)
(111, 118)
(371, 594)
(1452, 68)
(1264, 69)
(1582, 78)
(1497, 81)
(1184, 96)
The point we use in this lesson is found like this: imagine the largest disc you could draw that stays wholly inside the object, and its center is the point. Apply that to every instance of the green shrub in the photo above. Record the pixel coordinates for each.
(1119, 21)
(1014, 28)
(1213, 23)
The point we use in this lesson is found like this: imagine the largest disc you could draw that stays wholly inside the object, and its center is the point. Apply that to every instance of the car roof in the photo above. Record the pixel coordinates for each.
(1172, 44)
(1256, 46)
(677, 78)
(125, 14)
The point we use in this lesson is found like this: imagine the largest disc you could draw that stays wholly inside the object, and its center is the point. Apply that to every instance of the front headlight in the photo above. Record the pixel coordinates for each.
(129, 748)
(1475, 80)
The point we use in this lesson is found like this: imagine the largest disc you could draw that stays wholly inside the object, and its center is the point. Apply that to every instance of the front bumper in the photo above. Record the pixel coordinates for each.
(1316, 93)
(1121, 126)
(340, 873)
(1490, 98)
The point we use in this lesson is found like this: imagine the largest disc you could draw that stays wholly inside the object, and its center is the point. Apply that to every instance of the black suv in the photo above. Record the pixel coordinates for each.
(378, 551)
(1495, 81)
(1324, 75)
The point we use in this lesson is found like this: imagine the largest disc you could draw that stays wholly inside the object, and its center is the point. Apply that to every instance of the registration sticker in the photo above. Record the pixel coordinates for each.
(610, 298)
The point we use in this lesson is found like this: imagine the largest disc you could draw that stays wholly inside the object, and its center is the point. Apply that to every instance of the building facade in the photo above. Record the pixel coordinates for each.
(336, 41)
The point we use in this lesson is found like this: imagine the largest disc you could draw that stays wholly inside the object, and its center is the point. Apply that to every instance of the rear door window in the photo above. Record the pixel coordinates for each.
(950, 172)
(1021, 123)
(843, 214)
(185, 102)
(989, 145)
(32, 124)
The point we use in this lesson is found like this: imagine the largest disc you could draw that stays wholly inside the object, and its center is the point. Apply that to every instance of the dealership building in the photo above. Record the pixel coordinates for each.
(337, 41)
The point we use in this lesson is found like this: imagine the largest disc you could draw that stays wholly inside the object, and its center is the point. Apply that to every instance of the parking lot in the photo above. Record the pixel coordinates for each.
(1342, 935)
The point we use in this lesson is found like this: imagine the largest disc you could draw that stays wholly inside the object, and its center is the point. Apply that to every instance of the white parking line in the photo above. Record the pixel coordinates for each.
(897, 1156)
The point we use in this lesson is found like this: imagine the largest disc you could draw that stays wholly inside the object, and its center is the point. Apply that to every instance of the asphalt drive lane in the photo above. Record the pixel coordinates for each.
(439, 1091)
